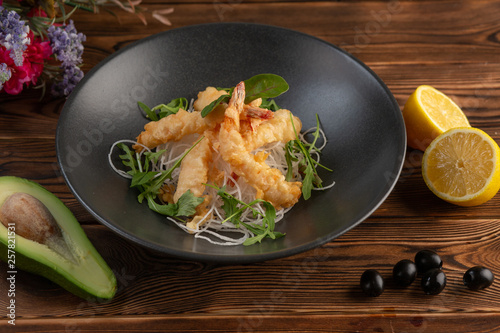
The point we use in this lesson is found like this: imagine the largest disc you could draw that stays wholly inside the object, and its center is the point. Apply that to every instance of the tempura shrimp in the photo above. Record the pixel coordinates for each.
(194, 170)
(269, 183)
(279, 128)
(171, 128)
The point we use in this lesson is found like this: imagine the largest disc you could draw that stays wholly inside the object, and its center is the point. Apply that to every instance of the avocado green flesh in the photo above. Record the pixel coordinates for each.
(87, 276)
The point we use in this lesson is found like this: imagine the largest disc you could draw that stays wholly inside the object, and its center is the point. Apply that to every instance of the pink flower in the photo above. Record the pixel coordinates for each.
(33, 62)
(36, 11)
(36, 54)
(20, 74)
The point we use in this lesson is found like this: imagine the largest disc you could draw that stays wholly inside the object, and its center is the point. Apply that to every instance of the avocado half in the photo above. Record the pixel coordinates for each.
(82, 272)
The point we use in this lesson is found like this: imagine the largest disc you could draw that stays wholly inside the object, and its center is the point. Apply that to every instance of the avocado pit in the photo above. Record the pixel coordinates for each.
(31, 217)
(35, 222)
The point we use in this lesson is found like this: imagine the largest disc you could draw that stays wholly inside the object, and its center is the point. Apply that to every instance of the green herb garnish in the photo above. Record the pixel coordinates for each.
(164, 110)
(269, 104)
(308, 165)
(234, 207)
(149, 182)
(263, 86)
(210, 107)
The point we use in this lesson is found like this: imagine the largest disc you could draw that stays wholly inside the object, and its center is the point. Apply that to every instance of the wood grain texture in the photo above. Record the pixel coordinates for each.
(451, 45)
(314, 323)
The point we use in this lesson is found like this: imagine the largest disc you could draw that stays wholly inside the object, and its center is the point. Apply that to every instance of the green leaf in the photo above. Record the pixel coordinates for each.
(187, 203)
(172, 107)
(128, 158)
(233, 212)
(210, 107)
(154, 156)
(269, 104)
(270, 215)
(255, 239)
(148, 182)
(185, 206)
(307, 182)
(289, 158)
(164, 110)
(231, 209)
(164, 209)
(311, 178)
(149, 113)
(141, 178)
(259, 86)
(264, 86)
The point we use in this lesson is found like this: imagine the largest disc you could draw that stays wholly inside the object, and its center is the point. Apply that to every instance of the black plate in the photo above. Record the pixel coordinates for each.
(363, 123)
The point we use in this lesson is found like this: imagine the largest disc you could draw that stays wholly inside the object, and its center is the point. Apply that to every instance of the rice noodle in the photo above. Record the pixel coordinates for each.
(210, 227)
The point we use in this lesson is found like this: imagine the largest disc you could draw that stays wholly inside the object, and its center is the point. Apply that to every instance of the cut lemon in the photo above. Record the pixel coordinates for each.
(429, 113)
(462, 166)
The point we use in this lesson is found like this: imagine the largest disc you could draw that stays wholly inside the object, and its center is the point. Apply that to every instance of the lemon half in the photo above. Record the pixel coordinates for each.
(429, 113)
(462, 166)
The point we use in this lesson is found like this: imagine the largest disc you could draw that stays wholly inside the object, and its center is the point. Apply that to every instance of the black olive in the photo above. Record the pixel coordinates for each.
(433, 281)
(404, 272)
(478, 277)
(426, 260)
(372, 283)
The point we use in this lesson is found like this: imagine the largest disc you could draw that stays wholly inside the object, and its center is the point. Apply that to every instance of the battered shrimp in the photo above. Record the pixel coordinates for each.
(194, 170)
(171, 128)
(269, 183)
(279, 128)
(193, 175)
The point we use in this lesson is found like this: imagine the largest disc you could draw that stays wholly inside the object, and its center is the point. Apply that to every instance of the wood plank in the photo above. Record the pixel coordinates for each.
(450, 44)
(325, 279)
(400, 30)
(268, 322)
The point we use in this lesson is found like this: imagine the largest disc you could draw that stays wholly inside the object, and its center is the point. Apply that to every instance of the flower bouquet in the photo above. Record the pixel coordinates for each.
(40, 46)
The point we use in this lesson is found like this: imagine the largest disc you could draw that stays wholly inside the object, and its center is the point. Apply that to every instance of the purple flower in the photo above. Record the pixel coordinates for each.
(13, 34)
(66, 44)
(5, 74)
(71, 76)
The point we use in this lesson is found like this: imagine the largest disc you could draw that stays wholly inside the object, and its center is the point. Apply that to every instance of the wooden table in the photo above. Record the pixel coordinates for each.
(451, 45)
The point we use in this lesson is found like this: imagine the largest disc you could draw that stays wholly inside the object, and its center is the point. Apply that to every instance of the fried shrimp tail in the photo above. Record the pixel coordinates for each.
(171, 128)
(277, 129)
(269, 183)
(235, 107)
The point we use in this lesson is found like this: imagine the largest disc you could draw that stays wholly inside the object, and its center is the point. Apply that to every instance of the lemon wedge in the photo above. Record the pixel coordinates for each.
(429, 113)
(462, 166)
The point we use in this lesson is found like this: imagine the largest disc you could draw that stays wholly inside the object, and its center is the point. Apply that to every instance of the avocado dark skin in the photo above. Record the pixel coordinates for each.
(41, 235)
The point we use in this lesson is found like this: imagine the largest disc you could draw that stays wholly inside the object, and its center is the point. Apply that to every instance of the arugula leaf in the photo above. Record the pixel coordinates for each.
(172, 107)
(187, 203)
(233, 213)
(150, 182)
(289, 157)
(164, 110)
(264, 86)
(210, 107)
(230, 207)
(142, 178)
(149, 113)
(185, 206)
(269, 104)
(311, 178)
